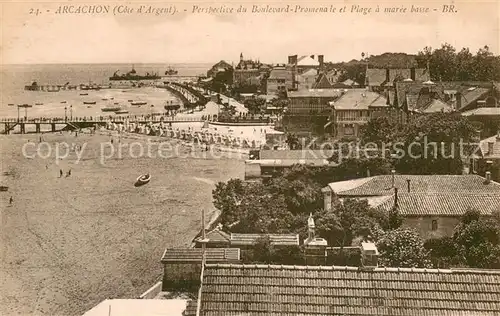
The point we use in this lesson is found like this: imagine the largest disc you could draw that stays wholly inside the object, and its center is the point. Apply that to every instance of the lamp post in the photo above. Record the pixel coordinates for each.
(18, 114)
(65, 113)
(71, 112)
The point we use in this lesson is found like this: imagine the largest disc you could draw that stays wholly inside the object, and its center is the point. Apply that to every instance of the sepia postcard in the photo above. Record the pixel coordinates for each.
(230, 158)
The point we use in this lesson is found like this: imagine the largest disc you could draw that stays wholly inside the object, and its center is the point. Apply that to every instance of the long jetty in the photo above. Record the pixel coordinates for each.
(10, 125)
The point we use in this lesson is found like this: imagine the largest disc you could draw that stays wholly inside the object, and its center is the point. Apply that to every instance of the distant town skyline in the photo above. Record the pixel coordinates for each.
(203, 38)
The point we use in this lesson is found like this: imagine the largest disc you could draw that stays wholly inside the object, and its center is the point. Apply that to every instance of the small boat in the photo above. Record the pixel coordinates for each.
(139, 103)
(142, 180)
(63, 101)
(89, 102)
(88, 107)
(104, 99)
(84, 94)
(112, 98)
(10, 104)
(25, 105)
(121, 112)
(3, 188)
(130, 100)
(111, 109)
(38, 103)
(170, 72)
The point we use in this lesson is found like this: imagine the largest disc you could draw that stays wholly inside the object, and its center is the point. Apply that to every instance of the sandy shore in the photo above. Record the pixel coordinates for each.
(68, 243)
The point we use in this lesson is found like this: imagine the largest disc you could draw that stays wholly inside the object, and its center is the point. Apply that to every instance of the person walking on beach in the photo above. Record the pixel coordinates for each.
(11, 200)
(60, 173)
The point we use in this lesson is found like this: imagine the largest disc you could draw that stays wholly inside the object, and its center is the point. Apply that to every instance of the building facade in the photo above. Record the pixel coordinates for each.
(354, 109)
(431, 204)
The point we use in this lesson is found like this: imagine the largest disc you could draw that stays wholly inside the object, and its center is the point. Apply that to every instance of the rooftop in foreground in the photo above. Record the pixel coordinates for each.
(307, 290)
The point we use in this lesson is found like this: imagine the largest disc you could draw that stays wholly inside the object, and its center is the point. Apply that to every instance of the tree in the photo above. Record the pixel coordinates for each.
(227, 197)
(403, 248)
(442, 252)
(255, 105)
(395, 219)
(435, 142)
(346, 221)
(447, 65)
(382, 129)
(477, 240)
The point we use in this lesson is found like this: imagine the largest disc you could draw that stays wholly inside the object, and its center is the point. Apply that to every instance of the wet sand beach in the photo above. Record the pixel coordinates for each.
(68, 243)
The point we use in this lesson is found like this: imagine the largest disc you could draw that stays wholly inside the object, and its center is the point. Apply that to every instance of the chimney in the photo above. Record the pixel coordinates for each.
(409, 185)
(412, 73)
(327, 198)
(387, 75)
(393, 173)
(290, 60)
(312, 56)
(490, 148)
(458, 101)
(321, 60)
(369, 255)
(396, 201)
(488, 178)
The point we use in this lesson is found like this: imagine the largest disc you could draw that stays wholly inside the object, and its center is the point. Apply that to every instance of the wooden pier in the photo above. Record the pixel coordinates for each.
(10, 125)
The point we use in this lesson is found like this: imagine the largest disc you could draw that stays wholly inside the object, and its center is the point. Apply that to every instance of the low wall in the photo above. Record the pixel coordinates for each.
(240, 124)
(152, 292)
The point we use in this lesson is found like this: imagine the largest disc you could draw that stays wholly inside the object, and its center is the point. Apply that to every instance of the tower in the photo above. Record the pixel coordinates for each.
(241, 57)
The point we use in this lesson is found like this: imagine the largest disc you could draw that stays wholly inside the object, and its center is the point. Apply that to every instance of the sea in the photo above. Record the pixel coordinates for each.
(70, 102)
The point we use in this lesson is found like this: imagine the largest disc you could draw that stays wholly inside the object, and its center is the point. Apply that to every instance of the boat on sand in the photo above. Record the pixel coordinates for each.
(142, 180)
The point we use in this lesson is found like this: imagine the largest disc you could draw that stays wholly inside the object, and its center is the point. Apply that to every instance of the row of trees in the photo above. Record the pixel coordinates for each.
(445, 63)
(448, 64)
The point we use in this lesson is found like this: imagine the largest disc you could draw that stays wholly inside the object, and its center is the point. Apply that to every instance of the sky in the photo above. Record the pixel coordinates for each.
(188, 37)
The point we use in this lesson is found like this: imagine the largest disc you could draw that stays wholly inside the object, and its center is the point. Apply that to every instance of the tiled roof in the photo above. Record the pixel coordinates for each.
(443, 204)
(359, 99)
(485, 147)
(275, 239)
(412, 95)
(191, 307)
(322, 83)
(429, 184)
(172, 255)
(482, 111)
(437, 106)
(322, 93)
(471, 96)
(304, 290)
(296, 154)
(377, 77)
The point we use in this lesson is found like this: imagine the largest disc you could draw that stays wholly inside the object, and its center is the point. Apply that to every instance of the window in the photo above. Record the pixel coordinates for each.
(434, 225)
